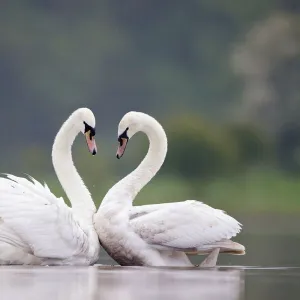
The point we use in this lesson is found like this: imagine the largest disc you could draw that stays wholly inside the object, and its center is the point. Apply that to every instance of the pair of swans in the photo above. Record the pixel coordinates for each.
(38, 228)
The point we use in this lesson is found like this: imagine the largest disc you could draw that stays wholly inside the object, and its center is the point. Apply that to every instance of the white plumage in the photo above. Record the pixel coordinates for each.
(187, 226)
(37, 227)
(159, 234)
(43, 222)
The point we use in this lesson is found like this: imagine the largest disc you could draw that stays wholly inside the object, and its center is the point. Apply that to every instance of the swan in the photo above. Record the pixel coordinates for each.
(158, 234)
(36, 227)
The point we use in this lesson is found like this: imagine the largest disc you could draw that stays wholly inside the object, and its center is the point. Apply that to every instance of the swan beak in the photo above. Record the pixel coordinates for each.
(91, 143)
(121, 147)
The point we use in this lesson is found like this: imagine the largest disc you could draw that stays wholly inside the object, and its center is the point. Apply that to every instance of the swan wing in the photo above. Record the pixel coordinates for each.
(141, 210)
(186, 226)
(40, 219)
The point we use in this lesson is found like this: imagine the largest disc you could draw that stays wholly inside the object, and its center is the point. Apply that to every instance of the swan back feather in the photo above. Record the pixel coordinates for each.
(42, 220)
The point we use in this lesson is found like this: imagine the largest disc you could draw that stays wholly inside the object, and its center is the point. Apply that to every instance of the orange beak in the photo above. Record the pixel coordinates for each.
(121, 147)
(91, 143)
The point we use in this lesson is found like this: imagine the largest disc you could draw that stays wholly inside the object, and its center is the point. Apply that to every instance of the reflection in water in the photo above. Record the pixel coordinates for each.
(274, 277)
(170, 284)
(43, 283)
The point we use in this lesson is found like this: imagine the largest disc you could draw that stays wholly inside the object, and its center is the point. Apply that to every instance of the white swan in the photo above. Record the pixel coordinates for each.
(162, 234)
(36, 227)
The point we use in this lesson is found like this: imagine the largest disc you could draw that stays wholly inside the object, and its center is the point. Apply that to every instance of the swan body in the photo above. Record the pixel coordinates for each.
(36, 227)
(159, 234)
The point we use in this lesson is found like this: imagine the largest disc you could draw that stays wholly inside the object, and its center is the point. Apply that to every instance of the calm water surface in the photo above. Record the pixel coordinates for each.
(271, 274)
(106, 282)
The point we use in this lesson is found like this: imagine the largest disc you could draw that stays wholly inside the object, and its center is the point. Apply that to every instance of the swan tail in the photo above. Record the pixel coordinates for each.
(225, 246)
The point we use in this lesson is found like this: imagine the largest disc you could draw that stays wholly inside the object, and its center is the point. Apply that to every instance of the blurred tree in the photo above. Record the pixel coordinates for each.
(198, 149)
(268, 61)
(254, 147)
(288, 148)
(158, 57)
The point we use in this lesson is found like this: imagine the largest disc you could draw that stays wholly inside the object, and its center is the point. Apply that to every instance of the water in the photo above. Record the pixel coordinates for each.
(272, 283)
(132, 283)
(267, 272)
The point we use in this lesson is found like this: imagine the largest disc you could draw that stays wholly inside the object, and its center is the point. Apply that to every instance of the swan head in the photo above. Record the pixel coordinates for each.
(130, 124)
(86, 123)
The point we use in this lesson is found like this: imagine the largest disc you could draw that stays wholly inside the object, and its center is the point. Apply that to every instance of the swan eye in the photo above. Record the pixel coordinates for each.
(89, 129)
(123, 136)
(123, 140)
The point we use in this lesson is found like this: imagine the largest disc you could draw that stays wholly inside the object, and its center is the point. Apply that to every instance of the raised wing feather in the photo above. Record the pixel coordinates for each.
(40, 219)
(184, 225)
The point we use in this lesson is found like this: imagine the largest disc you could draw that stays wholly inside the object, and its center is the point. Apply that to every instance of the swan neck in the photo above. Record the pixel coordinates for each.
(126, 189)
(75, 189)
(153, 160)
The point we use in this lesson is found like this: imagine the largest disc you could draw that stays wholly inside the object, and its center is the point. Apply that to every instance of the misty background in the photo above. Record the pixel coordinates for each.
(220, 76)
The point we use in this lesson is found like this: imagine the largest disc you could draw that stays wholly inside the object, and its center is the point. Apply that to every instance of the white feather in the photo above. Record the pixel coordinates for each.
(159, 234)
(37, 227)
(185, 225)
(43, 221)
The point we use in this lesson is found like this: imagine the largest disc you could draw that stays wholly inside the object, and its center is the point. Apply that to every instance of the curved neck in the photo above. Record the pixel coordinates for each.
(126, 189)
(78, 194)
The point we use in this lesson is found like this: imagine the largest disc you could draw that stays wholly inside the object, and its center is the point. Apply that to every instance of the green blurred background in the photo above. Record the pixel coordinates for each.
(220, 76)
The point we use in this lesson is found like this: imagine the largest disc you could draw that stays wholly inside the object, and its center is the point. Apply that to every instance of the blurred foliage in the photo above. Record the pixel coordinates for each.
(198, 148)
(288, 148)
(267, 61)
(254, 146)
(237, 64)
(114, 56)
